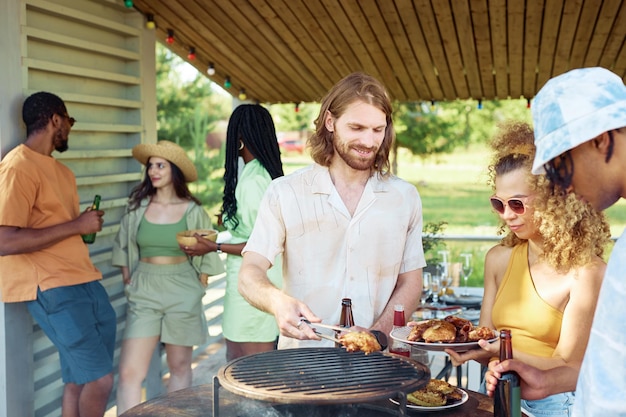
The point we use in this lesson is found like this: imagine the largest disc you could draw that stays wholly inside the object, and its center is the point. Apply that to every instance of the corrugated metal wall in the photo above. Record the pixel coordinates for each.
(98, 57)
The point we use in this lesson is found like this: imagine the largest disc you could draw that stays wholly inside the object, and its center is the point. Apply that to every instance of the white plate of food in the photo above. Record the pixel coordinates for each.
(401, 334)
(451, 397)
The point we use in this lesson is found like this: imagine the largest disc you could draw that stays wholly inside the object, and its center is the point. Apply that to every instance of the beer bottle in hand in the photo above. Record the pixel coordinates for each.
(91, 237)
(346, 320)
(507, 398)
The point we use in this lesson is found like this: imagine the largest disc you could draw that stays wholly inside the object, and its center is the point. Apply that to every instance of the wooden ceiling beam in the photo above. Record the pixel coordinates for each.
(295, 50)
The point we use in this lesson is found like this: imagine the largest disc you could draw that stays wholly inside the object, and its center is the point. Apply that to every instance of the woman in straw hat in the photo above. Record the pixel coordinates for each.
(163, 285)
(250, 137)
(542, 281)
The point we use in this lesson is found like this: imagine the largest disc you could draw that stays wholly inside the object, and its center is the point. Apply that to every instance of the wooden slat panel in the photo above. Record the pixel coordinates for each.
(615, 50)
(238, 63)
(72, 42)
(332, 42)
(484, 52)
(314, 45)
(549, 33)
(606, 20)
(80, 72)
(584, 32)
(430, 29)
(515, 35)
(498, 31)
(531, 46)
(347, 31)
(368, 36)
(294, 50)
(450, 42)
(54, 8)
(569, 22)
(467, 38)
(431, 89)
(280, 32)
(414, 85)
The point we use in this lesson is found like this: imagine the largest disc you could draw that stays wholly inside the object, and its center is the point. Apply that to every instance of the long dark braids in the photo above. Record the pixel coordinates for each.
(146, 189)
(251, 124)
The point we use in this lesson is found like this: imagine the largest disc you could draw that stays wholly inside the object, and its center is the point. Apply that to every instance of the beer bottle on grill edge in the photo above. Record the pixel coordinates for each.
(346, 319)
(399, 320)
(507, 398)
(91, 237)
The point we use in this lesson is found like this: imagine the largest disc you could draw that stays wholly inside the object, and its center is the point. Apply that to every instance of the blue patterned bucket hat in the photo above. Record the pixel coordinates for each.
(573, 108)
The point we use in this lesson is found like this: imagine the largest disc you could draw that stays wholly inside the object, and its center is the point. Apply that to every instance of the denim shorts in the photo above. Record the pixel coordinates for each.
(166, 300)
(81, 323)
(555, 405)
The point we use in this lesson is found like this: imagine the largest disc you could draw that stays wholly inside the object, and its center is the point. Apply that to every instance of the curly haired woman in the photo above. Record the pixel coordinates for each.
(542, 280)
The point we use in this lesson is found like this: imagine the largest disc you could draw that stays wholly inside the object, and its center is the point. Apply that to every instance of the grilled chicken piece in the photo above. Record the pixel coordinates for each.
(363, 341)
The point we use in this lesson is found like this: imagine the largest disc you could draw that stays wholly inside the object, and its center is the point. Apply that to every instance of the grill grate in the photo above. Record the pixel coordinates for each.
(322, 376)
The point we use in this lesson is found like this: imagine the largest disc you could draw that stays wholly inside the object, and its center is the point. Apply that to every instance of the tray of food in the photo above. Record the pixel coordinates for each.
(452, 332)
(435, 396)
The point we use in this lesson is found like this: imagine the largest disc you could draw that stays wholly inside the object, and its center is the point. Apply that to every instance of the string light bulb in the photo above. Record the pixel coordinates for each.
(480, 105)
(192, 53)
(432, 105)
(242, 94)
(297, 108)
(227, 83)
(128, 3)
(150, 21)
(528, 103)
(211, 69)
(170, 36)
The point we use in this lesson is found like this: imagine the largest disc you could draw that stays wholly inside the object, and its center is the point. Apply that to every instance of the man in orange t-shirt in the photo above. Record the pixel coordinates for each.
(44, 262)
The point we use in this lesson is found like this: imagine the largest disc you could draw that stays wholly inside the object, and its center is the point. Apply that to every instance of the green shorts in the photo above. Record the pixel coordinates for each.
(166, 300)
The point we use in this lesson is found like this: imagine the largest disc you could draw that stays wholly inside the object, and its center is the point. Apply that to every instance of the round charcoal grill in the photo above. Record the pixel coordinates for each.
(321, 376)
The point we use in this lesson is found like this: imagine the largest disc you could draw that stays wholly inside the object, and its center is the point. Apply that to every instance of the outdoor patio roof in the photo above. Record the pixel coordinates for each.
(295, 50)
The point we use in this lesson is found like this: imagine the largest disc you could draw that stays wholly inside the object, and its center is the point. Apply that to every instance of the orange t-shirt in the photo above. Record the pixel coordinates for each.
(38, 192)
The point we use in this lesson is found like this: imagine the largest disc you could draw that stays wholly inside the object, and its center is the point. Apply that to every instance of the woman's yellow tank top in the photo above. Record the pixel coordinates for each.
(535, 325)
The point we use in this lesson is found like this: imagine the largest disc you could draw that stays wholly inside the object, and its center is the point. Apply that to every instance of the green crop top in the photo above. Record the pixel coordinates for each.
(159, 239)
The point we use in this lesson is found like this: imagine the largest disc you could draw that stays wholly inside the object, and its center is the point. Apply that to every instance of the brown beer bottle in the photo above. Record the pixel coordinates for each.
(345, 320)
(507, 398)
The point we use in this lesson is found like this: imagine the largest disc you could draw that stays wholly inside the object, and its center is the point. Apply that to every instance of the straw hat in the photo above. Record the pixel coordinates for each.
(170, 151)
(574, 108)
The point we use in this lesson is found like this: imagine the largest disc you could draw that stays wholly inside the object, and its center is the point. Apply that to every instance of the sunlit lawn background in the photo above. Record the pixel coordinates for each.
(454, 190)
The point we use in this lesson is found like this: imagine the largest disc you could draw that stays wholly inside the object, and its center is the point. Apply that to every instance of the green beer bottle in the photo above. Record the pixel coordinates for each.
(91, 237)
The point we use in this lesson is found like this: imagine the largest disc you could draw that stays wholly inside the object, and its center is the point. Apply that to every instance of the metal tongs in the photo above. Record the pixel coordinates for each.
(325, 326)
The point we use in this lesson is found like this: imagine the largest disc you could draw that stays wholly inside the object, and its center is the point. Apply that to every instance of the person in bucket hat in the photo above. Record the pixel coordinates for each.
(163, 285)
(580, 134)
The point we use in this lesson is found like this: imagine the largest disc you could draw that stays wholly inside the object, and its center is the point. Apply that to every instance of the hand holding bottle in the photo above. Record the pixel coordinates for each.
(91, 221)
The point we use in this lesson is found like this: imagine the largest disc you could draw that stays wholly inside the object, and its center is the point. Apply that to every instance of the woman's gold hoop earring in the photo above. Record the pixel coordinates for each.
(240, 145)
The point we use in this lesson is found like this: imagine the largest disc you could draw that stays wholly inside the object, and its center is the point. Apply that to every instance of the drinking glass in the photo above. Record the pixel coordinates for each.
(435, 287)
(426, 278)
(466, 270)
(446, 278)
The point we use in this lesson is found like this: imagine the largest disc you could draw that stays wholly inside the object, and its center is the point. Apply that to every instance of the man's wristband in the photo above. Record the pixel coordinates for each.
(219, 248)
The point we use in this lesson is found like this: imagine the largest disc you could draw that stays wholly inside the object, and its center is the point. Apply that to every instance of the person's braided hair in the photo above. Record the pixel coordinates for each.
(251, 124)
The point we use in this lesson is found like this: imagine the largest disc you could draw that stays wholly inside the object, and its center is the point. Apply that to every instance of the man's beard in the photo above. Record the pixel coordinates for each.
(60, 143)
(354, 161)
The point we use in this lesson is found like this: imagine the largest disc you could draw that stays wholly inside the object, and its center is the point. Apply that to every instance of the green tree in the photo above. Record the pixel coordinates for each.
(178, 99)
(428, 129)
(286, 118)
